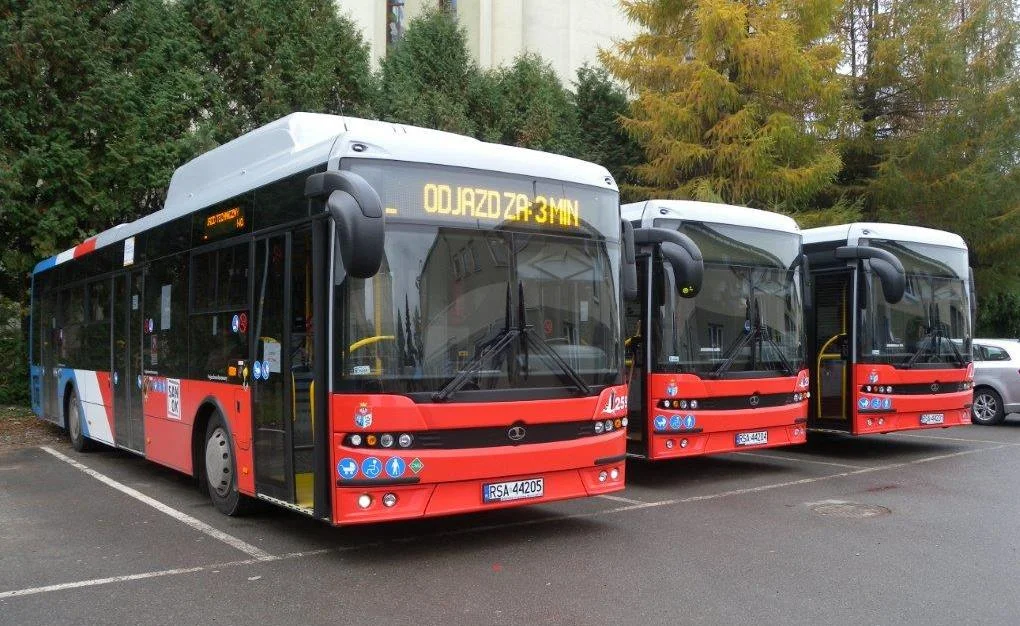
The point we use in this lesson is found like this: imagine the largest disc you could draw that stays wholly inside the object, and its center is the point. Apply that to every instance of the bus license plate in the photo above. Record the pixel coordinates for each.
(933, 418)
(756, 438)
(513, 490)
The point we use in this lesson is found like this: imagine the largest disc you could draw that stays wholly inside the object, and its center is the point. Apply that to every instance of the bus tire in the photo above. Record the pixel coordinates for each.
(987, 409)
(75, 433)
(221, 469)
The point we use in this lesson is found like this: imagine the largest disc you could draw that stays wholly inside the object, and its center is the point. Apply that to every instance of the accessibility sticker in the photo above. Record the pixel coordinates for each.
(660, 422)
(674, 422)
(371, 467)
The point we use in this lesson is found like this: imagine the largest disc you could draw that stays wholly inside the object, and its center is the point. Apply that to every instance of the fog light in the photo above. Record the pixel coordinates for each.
(386, 441)
(669, 444)
(683, 404)
(364, 500)
(614, 473)
(881, 421)
(683, 443)
(405, 440)
(389, 499)
(603, 476)
(694, 404)
(355, 440)
(598, 428)
(609, 425)
(624, 422)
(870, 421)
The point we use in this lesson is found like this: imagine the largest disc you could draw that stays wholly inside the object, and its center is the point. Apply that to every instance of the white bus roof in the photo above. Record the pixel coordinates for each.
(851, 234)
(301, 141)
(646, 212)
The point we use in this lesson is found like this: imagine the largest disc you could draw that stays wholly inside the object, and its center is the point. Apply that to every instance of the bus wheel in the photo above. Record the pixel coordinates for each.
(987, 409)
(221, 470)
(79, 441)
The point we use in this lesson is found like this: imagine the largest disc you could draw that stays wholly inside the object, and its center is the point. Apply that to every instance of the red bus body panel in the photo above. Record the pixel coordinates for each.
(715, 431)
(450, 480)
(904, 412)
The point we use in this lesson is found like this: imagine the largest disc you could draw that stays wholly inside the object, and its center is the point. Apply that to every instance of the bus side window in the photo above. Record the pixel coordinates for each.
(219, 288)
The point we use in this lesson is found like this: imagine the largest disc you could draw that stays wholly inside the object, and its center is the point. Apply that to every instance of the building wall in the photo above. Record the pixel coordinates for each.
(567, 33)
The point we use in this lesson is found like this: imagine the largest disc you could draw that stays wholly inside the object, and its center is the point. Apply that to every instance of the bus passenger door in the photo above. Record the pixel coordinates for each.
(282, 385)
(126, 369)
(635, 352)
(831, 370)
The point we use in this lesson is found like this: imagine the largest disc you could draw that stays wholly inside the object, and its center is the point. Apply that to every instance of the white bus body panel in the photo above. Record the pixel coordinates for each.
(645, 214)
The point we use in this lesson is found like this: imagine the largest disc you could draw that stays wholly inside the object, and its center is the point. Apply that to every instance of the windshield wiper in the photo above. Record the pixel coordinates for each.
(532, 336)
(491, 348)
(931, 342)
(785, 362)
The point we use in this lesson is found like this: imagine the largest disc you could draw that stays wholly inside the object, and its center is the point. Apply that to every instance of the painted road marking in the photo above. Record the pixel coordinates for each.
(606, 496)
(793, 458)
(474, 529)
(196, 524)
(94, 582)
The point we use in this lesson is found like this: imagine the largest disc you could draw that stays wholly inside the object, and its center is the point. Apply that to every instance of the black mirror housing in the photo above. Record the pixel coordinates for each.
(682, 254)
(629, 265)
(885, 264)
(357, 211)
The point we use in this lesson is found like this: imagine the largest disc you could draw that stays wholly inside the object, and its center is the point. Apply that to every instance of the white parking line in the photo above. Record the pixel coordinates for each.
(491, 527)
(16, 593)
(937, 438)
(196, 524)
(766, 455)
(606, 496)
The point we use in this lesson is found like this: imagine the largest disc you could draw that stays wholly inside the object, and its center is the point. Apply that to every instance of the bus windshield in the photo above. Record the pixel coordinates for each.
(749, 315)
(930, 326)
(465, 302)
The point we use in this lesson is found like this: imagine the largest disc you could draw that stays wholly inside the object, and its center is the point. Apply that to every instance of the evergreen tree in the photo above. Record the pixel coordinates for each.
(275, 57)
(734, 99)
(427, 79)
(601, 104)
(537, 111)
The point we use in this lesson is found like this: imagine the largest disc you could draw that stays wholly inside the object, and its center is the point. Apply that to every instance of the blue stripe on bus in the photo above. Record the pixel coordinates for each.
(45, 265)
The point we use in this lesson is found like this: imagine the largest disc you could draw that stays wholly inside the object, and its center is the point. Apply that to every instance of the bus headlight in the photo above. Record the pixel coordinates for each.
(405, 440)
(389, 500)
(364, 500)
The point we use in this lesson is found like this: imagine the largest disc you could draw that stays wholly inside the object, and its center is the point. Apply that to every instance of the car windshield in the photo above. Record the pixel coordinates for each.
(748, 316)
(931, 325)
(455, 309)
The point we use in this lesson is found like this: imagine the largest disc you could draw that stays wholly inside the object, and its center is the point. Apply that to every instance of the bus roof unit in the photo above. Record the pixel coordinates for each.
(642, 214)
(851, 234)
(301, 141)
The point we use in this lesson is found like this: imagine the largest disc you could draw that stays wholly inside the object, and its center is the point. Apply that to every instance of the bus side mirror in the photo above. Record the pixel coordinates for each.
(807, 298)
(629, 279)
(682, 254)
(357, 211)
(885, 264)
(973, 298)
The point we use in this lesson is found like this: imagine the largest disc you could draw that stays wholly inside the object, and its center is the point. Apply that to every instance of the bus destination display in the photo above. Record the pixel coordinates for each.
(225, 222)
(495, 205)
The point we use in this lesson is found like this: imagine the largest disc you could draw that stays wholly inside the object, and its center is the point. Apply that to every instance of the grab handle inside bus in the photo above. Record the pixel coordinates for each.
(885, 264)
(682, 254)
(357, 211)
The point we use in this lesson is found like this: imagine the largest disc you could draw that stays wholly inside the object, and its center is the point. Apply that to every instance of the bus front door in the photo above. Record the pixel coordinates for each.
(126, 370)
(282, 389)
(831, 369)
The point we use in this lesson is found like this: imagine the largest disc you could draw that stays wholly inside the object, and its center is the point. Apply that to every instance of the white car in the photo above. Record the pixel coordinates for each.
(996, 380)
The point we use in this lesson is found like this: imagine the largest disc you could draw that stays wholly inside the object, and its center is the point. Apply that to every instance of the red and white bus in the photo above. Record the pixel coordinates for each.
(716, 338)
(890, 329)
(357, 320)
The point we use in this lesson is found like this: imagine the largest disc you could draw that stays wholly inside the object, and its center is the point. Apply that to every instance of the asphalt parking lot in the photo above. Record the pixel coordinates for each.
(906, 528)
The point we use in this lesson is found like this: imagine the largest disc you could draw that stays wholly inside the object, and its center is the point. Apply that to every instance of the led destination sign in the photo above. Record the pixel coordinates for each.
(468, 198)
(478, 203)
(223, 223)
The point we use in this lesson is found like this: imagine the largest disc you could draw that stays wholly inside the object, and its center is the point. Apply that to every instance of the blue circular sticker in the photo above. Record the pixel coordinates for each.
(347, 468)
(235, 323)
(265, 370)
(660, 422)
(257, 370)
(689, 422)
(371, 467)
(674, 422)
(395, 467)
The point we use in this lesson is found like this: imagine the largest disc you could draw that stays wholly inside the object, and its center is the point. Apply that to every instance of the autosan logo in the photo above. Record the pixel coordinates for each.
(516, 433)
(615, 404)
(754, 400)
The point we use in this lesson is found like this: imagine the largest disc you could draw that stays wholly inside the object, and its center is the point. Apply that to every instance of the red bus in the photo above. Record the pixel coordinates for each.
(890, 329)
(357, 320)
(720, 366)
